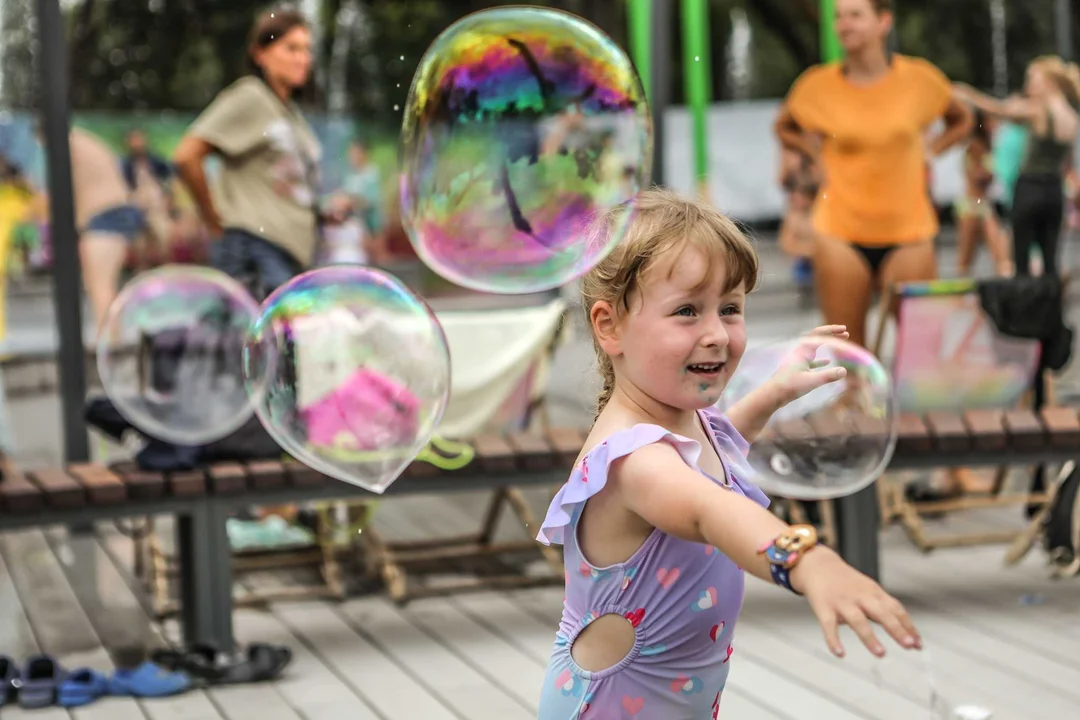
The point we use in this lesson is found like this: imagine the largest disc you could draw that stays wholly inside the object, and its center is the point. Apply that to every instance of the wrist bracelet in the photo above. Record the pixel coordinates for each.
(785, 551)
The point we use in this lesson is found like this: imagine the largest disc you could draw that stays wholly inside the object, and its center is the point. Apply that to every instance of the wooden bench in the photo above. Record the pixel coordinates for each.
(202, 500)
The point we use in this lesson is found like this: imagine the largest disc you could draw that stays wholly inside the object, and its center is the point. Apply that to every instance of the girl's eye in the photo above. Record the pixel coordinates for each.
(685, 311)
(731, 310)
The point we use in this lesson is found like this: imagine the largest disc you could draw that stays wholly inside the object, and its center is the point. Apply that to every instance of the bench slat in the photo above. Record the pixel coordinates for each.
(1025, 430)
(300, 475)
(103, 487)
(987, 429)
(59, 488)
(140, 484)
(534, 452)
(186, 483)
(494, 453)
(1063, 426)
(567, 444)
(948, 431)
(18, 495)
(266, 474)
(227, 478)
(912, 435)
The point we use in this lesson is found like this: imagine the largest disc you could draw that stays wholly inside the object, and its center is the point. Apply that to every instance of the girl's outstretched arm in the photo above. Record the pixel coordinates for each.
(655, 483)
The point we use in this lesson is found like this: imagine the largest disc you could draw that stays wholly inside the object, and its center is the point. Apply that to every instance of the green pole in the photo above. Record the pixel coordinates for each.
(830, 41)
(639, 18)
(697, 82)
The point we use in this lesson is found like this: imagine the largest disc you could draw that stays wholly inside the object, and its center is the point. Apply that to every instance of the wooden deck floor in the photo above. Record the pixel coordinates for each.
(1006, 640)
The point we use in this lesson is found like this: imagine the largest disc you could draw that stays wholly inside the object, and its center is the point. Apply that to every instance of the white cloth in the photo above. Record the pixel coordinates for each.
(490, 353)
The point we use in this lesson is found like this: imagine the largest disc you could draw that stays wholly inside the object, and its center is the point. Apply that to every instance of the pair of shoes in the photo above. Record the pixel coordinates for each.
(205, 662)
(43, 682)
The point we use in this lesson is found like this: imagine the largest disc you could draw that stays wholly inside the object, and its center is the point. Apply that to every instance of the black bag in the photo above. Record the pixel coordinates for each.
(1061, 526)
(1032, 308)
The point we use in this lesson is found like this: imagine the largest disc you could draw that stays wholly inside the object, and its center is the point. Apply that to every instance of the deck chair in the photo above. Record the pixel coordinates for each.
(500, 364)
(949, 356)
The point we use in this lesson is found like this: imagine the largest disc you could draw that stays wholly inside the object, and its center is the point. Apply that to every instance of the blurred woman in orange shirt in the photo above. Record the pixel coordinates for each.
(873, 218)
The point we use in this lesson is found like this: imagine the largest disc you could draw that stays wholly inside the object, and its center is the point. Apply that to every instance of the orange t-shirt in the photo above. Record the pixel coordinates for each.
(873, 153)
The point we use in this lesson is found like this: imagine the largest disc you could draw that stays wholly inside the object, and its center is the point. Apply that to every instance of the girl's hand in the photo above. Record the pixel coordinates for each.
(801, 373)
(838, 593)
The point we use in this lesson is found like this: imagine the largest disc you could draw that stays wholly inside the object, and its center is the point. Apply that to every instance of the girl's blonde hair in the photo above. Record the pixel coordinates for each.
(1066, 75)
(656, 221)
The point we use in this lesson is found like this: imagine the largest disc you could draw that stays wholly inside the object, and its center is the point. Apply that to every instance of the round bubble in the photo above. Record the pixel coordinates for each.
(169, 354)
(350, 373)
(522, 127)
(831, 442)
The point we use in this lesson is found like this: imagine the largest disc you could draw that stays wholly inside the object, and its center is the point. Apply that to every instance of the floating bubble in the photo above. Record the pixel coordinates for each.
(522, 126)
(169, 354)
(350, 373)
(833, 441)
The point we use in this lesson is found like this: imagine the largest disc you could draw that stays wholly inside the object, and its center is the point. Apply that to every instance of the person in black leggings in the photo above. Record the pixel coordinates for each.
(1049, 110)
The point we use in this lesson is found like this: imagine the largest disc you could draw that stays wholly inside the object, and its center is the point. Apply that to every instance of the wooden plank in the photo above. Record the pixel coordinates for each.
(986, 428)
(18, 641)
(186, 483)
(1025, 430)
(103, 486)
(228, 478)
(912, 435)
(17, 494)
(1063, 426)
(140, 484)
(60, 489)
(392, 691)
(532, 450)
(300, 475)
(462, 689)
(494, 454)
(948, 431)
(502, 664)
(567, 444)
(266, 474)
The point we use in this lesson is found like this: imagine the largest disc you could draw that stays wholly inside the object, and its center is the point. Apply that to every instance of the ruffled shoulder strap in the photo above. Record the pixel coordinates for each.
(733, 450)
(590, 474)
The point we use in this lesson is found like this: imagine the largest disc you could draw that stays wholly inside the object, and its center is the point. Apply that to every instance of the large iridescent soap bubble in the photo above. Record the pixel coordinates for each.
(523, 125)
(350, 373)
(831, 442)
(169, 353)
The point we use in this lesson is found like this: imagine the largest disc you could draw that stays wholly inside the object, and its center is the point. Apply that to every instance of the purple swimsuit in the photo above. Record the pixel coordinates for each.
(682, 598)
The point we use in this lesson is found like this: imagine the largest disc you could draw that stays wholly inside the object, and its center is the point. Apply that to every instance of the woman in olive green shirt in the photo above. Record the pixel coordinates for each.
(263, 214)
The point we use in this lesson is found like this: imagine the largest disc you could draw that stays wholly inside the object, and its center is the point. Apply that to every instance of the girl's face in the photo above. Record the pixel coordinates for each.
(860, 26)
(683, 336)
(287, 59)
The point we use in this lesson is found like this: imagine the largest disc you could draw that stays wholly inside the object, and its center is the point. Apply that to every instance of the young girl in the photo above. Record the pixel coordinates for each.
(974, 210)
(659, 519)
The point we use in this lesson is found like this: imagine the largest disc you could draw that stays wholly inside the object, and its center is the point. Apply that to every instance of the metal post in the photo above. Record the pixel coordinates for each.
(1064, 23)
(660, 82)
(67, 284)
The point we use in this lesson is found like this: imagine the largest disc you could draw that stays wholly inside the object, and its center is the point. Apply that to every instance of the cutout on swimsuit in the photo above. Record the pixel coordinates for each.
(875, 255)
(604, 643)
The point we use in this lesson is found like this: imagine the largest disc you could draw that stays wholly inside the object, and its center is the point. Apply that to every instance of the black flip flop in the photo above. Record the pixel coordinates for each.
(262, 662)
(201, 661)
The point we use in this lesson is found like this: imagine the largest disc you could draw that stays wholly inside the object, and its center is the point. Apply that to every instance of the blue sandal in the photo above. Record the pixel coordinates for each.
(149, 680)
(81, 687)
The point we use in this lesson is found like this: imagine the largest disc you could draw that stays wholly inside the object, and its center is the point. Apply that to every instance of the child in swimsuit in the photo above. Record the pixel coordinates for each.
(975, 213)
(659, 519)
